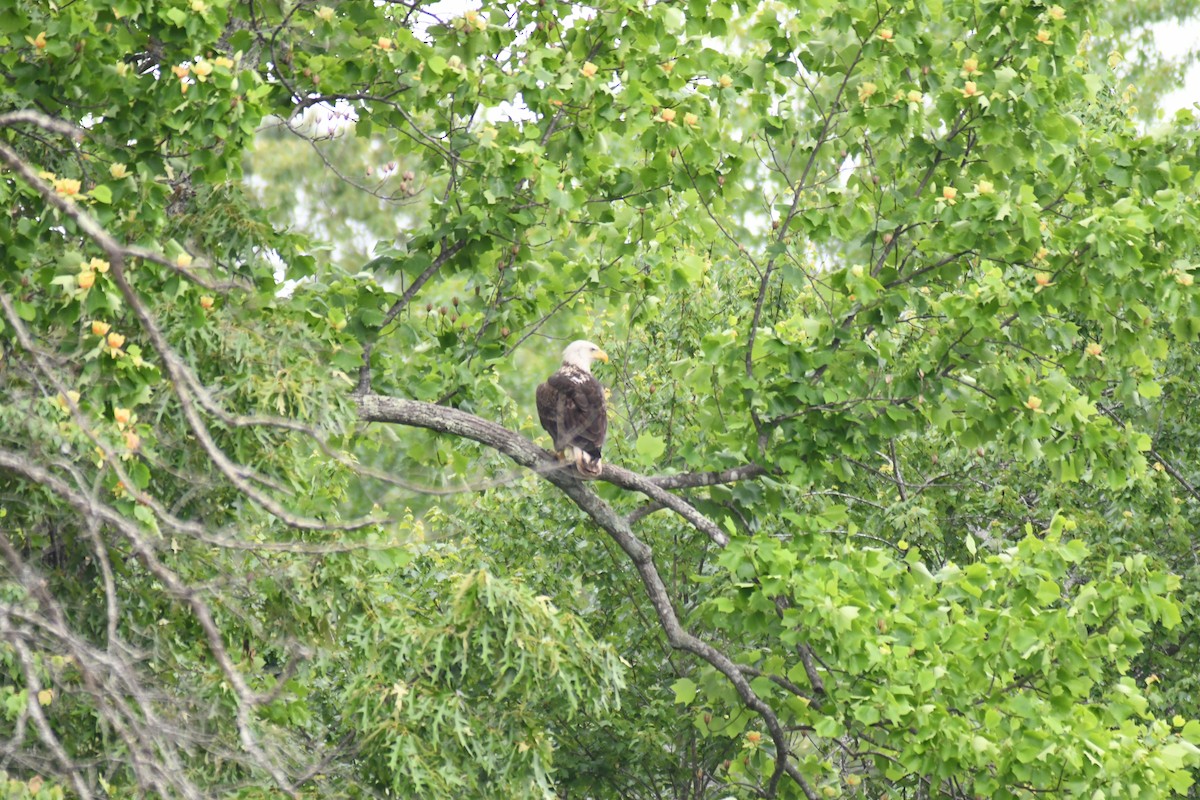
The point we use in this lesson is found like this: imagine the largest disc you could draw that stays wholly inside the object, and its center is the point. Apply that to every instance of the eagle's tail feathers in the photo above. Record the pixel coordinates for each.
(588, 466)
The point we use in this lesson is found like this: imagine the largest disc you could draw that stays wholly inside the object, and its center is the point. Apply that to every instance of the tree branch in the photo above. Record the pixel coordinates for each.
(375, 408)
(89, 507)
(688, 480)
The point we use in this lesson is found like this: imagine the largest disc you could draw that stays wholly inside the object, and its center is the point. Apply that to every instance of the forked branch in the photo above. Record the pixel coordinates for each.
(375, 408)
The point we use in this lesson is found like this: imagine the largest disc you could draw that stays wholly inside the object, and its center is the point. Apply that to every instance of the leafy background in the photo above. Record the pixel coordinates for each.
(922, 274)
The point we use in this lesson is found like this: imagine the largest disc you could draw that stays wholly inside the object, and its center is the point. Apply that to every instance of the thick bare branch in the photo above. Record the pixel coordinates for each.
(374, 408)
(688, 480)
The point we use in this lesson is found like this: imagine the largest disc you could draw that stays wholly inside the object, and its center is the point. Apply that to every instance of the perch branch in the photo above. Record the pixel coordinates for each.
(375, 408)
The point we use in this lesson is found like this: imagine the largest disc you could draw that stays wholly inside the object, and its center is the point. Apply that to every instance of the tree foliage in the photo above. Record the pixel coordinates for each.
(898, 497)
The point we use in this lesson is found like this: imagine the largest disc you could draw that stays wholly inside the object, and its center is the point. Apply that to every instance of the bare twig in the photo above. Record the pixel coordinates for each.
(90, 507)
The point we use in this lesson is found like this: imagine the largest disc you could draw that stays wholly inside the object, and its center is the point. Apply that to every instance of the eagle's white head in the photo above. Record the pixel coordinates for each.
(581, 354)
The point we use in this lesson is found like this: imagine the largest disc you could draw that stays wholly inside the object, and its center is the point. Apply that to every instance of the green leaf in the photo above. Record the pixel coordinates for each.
(101, 194)
(649, 447)
(685, 691)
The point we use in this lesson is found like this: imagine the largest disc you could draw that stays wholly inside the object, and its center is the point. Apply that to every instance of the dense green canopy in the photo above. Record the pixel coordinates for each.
(900, 495)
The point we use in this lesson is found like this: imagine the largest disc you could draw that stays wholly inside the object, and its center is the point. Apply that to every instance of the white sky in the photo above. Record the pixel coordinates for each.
(1175, 41)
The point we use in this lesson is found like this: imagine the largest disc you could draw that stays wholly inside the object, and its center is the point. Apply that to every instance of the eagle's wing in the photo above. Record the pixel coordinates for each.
(547, 408)
(580, 411)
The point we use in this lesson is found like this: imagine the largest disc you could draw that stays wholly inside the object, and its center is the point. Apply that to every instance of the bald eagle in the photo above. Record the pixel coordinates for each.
(570, 405)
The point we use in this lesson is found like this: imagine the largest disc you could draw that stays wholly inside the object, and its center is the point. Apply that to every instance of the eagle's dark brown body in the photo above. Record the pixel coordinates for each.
(571, 408)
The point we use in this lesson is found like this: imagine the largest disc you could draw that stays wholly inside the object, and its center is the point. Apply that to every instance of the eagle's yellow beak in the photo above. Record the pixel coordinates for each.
(601, 356)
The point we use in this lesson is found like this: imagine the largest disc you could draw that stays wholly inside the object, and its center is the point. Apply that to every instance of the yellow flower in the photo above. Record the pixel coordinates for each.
(690, 119)
(1057, 13)
(886, 34)
(1042, 279)
(206, 302)
(115, 340)
(122, 69)
(970, 90)
(950, 194)
(67, 187)
(668, 115)
(1043, 36)
(1034, 403)
(473, 20)
(1093, 349)
(99, 265)
(1184, 279)
(118, 171)
(222, 61)
(914, 96)
(667, 66)
(588, 69)
(384, 43)
(970, 67)
(38, 41)
(1041, 254)
(132, 440)
(866, 91)
(984, 187)
(325, 13)
(202, 69)
(100, 328)
(199, 6)
(1115, 58)
(121, 415)
(181, 70)
(183, 260)
(86, 279)
(725, 81)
